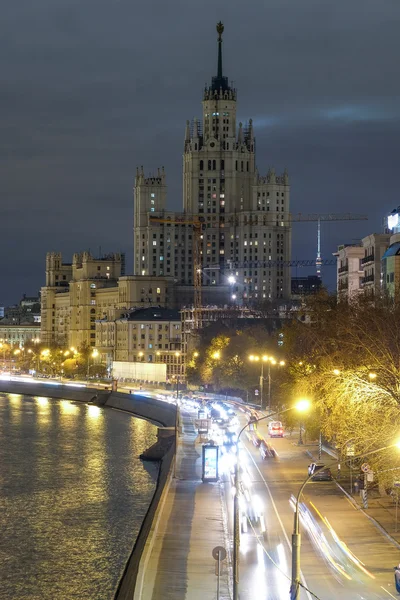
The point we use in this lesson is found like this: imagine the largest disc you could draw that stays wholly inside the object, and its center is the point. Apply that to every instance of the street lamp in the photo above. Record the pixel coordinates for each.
(94, 354)
(301, 405)
(296, 536)
(269, 360)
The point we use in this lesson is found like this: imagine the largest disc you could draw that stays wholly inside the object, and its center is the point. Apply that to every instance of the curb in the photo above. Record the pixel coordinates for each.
(373, 521)
(378, 526)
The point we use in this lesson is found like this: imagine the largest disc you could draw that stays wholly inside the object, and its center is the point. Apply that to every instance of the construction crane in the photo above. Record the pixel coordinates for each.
(198, 226)
(268, 264)
(325, 217)
(306, 218)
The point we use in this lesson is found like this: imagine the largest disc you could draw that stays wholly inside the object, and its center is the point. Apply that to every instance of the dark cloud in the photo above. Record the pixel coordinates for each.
(92, 88)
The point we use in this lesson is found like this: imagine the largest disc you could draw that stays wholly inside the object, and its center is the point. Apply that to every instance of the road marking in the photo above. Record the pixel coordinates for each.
(391, 595)
(279, 519)
(351, 504)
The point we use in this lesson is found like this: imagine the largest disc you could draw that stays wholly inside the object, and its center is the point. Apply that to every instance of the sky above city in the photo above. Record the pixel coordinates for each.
(90, 89)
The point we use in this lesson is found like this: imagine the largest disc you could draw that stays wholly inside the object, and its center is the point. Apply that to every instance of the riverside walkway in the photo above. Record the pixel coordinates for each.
(189, 523)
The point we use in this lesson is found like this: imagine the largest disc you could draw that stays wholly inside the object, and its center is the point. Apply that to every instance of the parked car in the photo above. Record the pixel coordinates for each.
(275, 429)
(319, 472)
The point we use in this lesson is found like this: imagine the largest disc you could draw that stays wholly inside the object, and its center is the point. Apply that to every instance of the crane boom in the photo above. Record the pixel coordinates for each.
(229, 265)
(300, 217)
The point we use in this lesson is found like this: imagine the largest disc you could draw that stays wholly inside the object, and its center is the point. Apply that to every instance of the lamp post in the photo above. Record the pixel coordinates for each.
(93, 354)
(269, 360)
(302, 405)
(296, 536)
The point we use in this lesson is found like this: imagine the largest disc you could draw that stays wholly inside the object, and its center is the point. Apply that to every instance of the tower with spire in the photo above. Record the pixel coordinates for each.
(246, 215)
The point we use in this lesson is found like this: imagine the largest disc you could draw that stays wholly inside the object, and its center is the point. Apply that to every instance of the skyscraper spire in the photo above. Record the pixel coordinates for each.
(219, 82)
(220, 31)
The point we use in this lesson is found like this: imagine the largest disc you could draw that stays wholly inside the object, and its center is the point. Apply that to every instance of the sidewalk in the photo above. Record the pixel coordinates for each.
(190, 525)
(381, 509)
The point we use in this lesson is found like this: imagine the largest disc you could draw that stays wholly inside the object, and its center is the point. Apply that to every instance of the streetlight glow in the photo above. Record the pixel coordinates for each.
(216, 355)
(336, 372)
(231, 279)
(303, 405)
(372, 376)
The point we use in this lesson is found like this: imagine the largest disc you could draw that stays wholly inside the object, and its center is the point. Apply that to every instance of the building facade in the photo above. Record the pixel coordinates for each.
(20, 335)
(375, 246)
(349, 271)
(78, 293)
(245, 215)
(147, 335)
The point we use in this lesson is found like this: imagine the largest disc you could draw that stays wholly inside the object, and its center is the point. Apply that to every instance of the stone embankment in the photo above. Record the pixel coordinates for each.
(151, 409)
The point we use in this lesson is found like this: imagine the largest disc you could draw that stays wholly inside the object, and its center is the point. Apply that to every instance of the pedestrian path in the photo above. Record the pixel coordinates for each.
(191, 524)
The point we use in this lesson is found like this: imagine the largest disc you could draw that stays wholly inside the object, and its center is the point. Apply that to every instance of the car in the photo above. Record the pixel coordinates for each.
(319, 472)
(266, 450)
(275, 429)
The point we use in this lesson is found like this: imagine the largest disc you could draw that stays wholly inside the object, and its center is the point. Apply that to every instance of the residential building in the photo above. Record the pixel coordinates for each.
(78, 293)
(375, 246)
(20, 335)
(391, 258)
(149, 335)
(349, 270)
(245, 215)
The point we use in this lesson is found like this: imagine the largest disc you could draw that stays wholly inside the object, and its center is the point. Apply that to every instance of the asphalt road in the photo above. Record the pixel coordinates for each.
(343, 556)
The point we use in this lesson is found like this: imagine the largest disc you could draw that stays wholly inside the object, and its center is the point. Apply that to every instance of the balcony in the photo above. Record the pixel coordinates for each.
(343, 269)
(368, 279)
(368, 259)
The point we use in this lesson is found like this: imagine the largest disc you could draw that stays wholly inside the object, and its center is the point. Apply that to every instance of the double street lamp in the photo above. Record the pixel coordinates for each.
(301, 406)
(268, 360)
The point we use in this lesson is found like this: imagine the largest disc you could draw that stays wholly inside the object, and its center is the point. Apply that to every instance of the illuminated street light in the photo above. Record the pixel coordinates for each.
(17, 352)
(270, 360)
(231, 279)
(372, 376)
(336, 372)
(216, 355)
(177, 353)
(195, 354)
(233, 296)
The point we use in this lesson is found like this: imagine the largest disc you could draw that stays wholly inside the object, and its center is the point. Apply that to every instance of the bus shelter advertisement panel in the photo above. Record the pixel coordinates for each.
(210, 463)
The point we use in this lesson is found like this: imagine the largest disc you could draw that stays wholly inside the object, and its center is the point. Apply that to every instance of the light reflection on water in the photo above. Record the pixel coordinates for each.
(73, 494)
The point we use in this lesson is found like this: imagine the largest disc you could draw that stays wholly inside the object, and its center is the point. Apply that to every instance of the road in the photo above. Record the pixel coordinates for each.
(328, 568)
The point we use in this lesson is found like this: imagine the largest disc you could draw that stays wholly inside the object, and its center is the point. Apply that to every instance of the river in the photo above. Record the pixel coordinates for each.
(73, 495)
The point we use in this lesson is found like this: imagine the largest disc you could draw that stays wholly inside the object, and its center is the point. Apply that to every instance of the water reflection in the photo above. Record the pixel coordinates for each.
(72, 498)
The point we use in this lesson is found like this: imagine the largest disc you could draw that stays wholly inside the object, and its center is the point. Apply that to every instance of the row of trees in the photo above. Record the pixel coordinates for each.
(344, 357)
(53, 361)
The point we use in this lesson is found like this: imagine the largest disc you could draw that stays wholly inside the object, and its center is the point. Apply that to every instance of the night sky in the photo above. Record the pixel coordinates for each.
(92, 88)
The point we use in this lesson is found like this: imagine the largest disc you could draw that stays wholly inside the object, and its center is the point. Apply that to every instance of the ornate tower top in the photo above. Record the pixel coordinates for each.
(219, 84)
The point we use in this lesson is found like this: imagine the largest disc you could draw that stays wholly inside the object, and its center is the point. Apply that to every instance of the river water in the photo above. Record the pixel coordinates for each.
(73, 495)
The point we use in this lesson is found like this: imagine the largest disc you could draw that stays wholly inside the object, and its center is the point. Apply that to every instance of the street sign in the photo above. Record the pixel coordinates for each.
(350, 450)
(365, 468)
(370, 476)
(219, 550)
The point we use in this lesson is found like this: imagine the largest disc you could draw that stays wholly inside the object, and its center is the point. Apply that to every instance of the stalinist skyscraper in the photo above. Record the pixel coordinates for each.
(246, 215)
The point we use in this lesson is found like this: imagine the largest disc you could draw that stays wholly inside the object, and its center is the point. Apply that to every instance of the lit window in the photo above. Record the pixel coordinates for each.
(93, 302)
(143, 257)
(161, 258)
(152, 201)
(152, 209)
(153, 195)
(158, 290)
(245, 243)
(93, 286)
(108, 268)
(143, 272)
(154, 242)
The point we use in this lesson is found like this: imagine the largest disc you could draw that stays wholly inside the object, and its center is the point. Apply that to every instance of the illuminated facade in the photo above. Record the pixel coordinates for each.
(246, 215)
